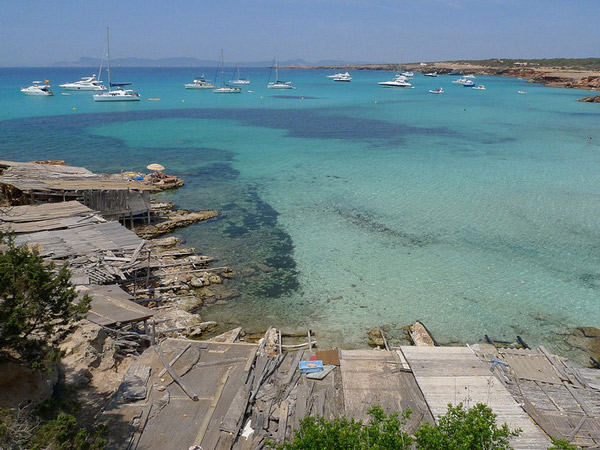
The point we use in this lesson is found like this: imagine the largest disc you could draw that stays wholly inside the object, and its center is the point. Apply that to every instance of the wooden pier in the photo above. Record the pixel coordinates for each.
(235, 396)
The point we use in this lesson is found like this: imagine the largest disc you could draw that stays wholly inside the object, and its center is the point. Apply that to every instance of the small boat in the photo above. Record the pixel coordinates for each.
(338, 75)
(460, 81)
(431, 74)
(40, 88)
(408, 74)
(469, 76)
(521, 92)
(399, 81)
(85, 84)
(119, 94)
(225, 89)
(238, 81)
(277, 84)
(468, 83)
(344, 77)
(437, 91)
(480, 87)
(199, 83)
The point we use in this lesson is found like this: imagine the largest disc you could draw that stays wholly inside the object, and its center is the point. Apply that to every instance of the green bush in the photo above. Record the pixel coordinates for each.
(381, 432)
(461, 429)
(36, 302)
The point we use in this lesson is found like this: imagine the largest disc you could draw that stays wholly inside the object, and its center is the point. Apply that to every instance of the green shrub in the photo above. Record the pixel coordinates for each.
(36, 302)
(461, 429)
(381, 432)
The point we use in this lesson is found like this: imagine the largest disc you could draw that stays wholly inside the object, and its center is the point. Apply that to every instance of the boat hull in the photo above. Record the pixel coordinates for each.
(198, 86)
(280, 86)
(227, 91)
(37, 93)
(116, 98)
(68, 87)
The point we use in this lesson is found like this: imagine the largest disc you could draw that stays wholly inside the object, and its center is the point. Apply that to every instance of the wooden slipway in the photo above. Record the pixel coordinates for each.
(455, 374)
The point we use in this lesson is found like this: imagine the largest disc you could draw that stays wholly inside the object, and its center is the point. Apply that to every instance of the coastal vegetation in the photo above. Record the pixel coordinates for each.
(560, 63)
(37, 304)
(459, 429)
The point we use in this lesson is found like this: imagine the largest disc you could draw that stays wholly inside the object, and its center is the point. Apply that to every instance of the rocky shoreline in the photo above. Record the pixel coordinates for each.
(549, 76)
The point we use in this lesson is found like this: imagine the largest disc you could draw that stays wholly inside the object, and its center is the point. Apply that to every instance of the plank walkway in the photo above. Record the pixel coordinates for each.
(111, 305)
(454, 374)
(371, 377)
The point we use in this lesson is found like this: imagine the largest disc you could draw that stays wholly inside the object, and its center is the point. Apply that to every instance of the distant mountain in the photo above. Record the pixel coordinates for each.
(184, 61)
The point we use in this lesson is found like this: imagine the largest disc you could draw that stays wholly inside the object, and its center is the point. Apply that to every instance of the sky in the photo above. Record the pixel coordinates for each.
(41, 33)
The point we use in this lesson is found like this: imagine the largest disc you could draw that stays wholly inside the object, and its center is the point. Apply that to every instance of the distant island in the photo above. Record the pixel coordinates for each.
(185, 61)
(582, 73)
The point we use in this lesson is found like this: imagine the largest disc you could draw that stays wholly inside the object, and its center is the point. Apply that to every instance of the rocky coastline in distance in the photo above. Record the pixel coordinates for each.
(585, 76)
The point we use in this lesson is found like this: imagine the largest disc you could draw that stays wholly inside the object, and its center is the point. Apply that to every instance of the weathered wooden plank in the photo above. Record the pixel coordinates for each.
(225, 441)
(162, 372)
(174, 375)
(233, 418)
(300, 411)
(283, 418)
(211, 409)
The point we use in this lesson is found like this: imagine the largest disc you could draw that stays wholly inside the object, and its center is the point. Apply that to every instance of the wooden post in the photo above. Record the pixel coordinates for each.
(148, 271)
(309, 342)
(153, 332)
(146, 327)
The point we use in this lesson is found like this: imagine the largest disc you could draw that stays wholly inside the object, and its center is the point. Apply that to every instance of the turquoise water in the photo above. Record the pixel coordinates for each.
(473, 211)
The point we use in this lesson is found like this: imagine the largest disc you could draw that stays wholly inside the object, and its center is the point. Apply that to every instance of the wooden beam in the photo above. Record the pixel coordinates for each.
(174, 375)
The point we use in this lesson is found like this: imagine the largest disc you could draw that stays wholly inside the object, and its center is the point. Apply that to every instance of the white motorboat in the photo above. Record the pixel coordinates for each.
(343, 77)
(408, 74)
(239, 81)
(521, 92)
(277, 84)
(119, 94)
(431, 74)
(480, 87)
(199, 83)
(469, 76)
(437, 91)
(225, 89)
(399, 81)
(468, 83)
(85, 84)
(337, 75)
(459, 81)
(41, 88)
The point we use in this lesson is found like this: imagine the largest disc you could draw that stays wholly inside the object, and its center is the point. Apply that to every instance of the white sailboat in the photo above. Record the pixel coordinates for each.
(279, 84)
(239, 80)
(119, 94)
(224, 89)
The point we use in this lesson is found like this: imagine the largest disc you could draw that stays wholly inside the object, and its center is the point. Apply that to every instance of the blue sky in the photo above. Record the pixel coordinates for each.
(34, 33)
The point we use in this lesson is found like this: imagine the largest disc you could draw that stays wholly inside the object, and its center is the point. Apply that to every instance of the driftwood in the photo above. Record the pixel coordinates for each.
(305, 344)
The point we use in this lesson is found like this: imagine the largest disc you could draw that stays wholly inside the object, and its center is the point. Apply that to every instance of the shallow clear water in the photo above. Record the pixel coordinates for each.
(473, 211)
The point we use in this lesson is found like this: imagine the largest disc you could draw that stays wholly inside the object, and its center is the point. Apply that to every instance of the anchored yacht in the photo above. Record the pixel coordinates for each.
(85, 84)
(38, 88)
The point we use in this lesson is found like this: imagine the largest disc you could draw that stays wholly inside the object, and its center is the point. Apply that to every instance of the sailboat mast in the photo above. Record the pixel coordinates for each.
(276, 70)
(108, 58)
(222, 70)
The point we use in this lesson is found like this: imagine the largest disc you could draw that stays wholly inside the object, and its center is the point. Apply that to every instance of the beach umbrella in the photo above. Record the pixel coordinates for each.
(156, 167)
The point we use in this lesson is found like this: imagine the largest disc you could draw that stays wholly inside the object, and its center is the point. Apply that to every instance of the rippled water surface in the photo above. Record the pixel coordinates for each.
(359, 206)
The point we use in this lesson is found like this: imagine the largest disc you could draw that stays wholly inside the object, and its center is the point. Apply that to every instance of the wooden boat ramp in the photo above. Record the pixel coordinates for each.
(231, 395)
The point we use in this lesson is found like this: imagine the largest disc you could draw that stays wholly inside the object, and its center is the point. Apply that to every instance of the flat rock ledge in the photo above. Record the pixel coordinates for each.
(169, 220)
(592, 99)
